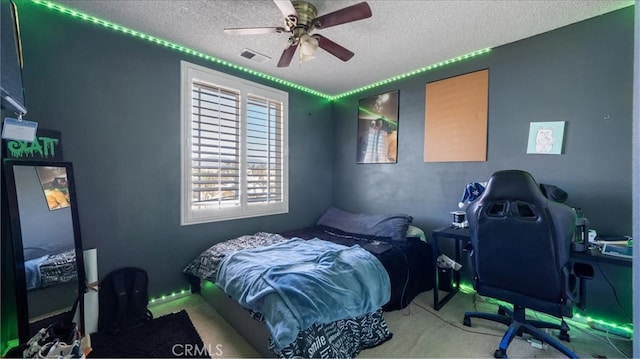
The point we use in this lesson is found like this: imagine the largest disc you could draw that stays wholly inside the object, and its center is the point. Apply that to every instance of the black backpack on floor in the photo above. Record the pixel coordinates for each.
(123, 300)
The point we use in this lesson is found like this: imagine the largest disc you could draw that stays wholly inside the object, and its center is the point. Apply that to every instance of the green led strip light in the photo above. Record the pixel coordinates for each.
(180, 48)
(467, 288)
(170, 296)
(413, 73)
(10, 344)
(173, 46)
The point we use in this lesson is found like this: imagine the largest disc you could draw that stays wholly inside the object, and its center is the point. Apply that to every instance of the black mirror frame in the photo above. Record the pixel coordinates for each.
(24, 331)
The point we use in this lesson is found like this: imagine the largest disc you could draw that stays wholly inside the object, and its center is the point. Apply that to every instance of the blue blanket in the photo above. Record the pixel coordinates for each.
(299, 282)
(32, 272)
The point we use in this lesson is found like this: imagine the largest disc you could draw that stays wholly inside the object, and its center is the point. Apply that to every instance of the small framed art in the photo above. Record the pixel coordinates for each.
(545, 138)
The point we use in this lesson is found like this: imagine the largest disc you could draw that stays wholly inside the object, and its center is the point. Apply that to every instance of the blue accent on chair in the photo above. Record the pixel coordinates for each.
(521, 255)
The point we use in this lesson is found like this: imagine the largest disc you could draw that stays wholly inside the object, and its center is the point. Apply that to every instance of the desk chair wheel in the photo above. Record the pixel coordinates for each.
(499, 353)
(466, 321)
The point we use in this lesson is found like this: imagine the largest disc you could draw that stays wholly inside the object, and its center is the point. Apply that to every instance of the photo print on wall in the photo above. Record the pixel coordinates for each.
(55, 186)
(378, 129)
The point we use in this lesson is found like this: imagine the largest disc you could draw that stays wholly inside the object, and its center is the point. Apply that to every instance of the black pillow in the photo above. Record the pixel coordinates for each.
(393, 226)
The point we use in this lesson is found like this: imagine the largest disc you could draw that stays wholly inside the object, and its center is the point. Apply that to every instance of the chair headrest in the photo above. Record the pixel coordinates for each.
(513, 185)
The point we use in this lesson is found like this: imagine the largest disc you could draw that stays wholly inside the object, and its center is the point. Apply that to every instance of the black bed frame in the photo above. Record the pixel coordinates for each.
(253, 331)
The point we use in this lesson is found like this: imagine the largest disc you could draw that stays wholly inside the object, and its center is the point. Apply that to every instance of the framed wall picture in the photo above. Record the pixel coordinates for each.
(54, 185)
(546, 138)
(378, 129)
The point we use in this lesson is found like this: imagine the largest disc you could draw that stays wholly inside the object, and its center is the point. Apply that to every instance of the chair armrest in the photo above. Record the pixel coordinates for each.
(583, 270)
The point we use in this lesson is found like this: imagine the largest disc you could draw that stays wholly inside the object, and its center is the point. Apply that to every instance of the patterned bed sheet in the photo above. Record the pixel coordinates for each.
(344, 338)
(206, 265)
(50, 270)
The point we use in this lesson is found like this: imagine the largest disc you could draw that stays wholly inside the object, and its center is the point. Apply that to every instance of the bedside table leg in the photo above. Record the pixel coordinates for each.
(436, 281)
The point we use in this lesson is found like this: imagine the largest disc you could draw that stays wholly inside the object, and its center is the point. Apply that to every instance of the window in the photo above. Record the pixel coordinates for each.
(234, 147)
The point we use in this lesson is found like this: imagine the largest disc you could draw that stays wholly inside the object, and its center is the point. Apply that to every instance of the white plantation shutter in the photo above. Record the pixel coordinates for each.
(234, 147)
(264, 150)
(215, 148)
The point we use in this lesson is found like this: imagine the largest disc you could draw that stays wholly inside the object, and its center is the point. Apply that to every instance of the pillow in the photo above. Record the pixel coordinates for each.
(393, 226)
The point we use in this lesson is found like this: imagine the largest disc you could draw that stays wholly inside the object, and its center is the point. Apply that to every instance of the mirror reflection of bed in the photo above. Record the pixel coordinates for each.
(47, 239)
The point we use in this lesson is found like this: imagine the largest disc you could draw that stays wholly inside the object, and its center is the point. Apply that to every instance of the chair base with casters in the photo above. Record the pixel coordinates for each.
(518, 324)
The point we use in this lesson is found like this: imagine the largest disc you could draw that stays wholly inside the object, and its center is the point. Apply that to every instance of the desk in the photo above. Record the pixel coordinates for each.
(460, 235)
(464, 235)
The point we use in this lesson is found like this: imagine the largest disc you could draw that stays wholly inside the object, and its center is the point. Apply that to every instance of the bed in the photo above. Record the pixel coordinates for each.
(403, 260)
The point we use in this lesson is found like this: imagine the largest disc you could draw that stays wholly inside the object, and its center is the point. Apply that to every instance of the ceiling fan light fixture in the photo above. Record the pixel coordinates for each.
(301, 18)
(308, 47)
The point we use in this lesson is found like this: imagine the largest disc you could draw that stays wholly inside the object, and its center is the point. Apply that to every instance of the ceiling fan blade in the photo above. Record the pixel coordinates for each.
(286, 7)
(333, 48)
(287, 55)
(254, 30)
(351, 13)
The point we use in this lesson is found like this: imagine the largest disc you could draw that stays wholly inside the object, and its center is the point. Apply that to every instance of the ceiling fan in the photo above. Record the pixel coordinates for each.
(300, 19)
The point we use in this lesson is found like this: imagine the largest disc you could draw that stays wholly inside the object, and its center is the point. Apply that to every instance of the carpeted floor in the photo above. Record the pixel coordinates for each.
(168, 336)
(419, 332)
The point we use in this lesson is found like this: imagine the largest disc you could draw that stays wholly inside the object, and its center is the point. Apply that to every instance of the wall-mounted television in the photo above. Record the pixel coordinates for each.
(11, 87)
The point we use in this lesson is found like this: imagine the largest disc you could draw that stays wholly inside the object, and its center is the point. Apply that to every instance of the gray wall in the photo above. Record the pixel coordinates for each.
(581, 74)
(116, 100)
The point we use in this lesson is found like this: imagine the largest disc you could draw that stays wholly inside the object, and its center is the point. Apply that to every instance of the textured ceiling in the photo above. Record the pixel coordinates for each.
(400, 37)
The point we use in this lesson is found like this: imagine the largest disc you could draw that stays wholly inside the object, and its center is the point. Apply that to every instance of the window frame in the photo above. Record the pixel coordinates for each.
(189, 215)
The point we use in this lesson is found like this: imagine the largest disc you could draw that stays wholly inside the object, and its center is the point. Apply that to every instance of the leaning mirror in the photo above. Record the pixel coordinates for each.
(47, 246)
